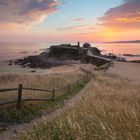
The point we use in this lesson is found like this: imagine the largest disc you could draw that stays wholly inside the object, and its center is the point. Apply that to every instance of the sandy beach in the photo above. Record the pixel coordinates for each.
(126, 70)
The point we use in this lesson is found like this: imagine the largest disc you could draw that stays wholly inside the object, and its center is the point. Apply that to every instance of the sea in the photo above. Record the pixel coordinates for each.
(129, 51)
(14, 50)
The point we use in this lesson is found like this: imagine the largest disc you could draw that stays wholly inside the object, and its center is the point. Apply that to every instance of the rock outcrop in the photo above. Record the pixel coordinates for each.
(58, 55)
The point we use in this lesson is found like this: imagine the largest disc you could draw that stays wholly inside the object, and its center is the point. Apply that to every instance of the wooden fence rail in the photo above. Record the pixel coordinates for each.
(35, 89)
(20, 89)
(10, 89)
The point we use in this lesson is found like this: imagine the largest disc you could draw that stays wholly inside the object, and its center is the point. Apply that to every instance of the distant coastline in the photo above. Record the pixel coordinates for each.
(129, 41)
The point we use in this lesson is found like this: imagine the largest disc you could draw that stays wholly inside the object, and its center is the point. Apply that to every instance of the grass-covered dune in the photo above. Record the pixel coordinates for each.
(109, 110)
(30, 110)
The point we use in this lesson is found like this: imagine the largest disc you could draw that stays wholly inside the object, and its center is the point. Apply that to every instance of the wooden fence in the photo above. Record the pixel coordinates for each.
(21, 88)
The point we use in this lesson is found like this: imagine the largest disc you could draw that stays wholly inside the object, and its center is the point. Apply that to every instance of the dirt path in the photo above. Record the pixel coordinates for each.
(14, 132)
(127, 70)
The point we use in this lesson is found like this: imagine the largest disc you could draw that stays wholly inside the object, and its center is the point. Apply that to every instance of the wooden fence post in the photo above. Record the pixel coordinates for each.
(53, 94)
(19, 98)
(68, 88)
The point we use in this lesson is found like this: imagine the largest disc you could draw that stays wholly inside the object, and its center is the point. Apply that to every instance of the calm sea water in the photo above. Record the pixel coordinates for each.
(10, 51)
(121, 48)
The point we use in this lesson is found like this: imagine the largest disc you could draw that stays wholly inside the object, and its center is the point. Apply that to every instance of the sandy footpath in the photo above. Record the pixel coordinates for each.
(127, 70)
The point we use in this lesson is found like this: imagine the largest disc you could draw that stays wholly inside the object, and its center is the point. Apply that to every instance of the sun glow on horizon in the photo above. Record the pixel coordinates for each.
(54, 20)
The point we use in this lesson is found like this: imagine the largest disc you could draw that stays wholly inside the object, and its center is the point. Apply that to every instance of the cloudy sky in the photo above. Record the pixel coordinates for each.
(69, 20)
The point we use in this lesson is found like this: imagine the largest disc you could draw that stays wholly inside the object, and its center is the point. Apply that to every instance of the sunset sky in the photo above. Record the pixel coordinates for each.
(69, 20)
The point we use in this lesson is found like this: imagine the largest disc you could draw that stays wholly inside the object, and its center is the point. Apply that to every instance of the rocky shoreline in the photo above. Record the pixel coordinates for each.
(45, 60)
(57, 55)
(40, 62)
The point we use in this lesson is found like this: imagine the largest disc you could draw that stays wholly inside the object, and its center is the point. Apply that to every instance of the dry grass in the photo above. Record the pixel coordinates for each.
(36, 81)
(110, 110)
(32, 110)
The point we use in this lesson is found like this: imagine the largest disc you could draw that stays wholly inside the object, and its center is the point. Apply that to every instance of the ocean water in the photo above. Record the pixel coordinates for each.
(120, 48)
(10, 51)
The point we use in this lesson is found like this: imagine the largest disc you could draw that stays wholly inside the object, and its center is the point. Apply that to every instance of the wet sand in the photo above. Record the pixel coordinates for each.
(127, 70)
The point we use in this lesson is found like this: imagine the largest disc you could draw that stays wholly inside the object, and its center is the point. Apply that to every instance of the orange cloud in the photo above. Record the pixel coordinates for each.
(125, 16)
(134, 19)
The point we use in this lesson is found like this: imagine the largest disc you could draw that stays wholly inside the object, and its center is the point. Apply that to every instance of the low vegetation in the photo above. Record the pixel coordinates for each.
(109, 110)
(135, 61)
(104, 67)
(31, 110)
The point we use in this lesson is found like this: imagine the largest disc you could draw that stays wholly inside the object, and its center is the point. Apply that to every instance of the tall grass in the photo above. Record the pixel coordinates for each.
(109, 110)
(32, 110)
(36, 81)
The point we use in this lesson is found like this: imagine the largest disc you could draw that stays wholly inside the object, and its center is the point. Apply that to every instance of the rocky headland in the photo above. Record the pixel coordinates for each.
(63, 54)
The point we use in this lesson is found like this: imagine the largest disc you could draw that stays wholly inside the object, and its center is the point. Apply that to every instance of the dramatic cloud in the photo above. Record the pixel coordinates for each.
(26, 11)
(124, 16)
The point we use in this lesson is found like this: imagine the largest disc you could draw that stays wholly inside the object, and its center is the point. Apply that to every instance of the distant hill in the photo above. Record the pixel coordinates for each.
(129, 41)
